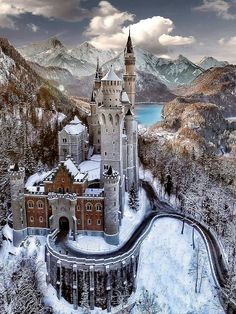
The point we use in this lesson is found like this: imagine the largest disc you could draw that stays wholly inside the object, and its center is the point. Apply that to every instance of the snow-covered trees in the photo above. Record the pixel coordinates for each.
(148, 303)
(133, 198)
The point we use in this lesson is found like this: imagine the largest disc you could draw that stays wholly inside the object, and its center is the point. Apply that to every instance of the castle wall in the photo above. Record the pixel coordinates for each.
(37, 211)
(90, 214)
(102, 283)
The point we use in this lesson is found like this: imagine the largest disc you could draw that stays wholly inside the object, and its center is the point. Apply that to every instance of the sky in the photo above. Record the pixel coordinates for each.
(167, 28)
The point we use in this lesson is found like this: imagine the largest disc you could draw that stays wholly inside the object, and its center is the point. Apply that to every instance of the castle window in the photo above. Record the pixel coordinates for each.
(31, 218)
(64, 140)
(114, 203)
(40, 219)
(30, 204)
(98, 141)
(98, 222)
(105, 153)
(105, 167)
(78, 208)
(114, 189)
(78, 221)
(98, 207)
(89, 221)
(40, 204)
(89, 207)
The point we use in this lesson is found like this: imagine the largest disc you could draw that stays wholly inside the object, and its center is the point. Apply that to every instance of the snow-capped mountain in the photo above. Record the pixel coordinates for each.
(6, 66)
(89, 53)
(53, 53)
(210, 62)
(171, 72)
(81, 61)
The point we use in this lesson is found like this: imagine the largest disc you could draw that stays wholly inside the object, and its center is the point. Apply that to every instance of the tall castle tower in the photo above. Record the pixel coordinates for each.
(17, 176)
(129, 76)
(111, 117)
(111, 204)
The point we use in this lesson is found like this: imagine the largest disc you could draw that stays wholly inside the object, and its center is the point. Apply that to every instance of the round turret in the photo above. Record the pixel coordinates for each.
(111, 89)
(111, 205)
(17, 177)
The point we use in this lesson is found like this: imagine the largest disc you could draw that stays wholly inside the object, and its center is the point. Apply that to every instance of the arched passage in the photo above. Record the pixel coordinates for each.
(64, 224)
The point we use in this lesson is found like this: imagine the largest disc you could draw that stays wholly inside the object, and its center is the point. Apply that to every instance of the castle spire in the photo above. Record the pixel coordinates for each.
(129, 45)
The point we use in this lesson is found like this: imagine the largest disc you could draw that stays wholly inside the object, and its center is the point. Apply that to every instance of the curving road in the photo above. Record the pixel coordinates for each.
(161, 210)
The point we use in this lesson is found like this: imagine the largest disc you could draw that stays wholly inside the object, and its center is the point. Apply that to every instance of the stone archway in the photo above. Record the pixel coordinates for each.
(64, 224)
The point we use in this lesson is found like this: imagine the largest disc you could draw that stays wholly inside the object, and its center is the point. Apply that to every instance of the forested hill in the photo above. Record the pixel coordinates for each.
(31, 110)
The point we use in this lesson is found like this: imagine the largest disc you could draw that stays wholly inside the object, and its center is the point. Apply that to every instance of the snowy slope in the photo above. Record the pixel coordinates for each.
(167, 269)
(89, 53)
(210, 62)
(6, 65)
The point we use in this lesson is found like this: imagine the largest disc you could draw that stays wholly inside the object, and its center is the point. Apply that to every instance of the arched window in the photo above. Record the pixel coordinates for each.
(89, 207)
(30, 204)
(78, 208)
(31, 218)
(40, 204)
(99, 222)
(89, 221)
(40, 218)
(98, 207)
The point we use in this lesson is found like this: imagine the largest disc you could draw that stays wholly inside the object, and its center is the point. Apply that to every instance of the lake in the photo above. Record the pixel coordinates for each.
(148, 114)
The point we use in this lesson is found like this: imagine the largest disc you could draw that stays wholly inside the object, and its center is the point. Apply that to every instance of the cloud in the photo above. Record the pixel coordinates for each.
(107, 30)
(34, 28)
(69, 10)
(220, 7)
(230, 43)
(168, 40)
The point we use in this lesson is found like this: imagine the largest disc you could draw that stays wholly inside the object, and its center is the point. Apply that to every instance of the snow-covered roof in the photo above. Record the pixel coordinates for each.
(36, 179)
(124, 97)
(74, 127)
(111, 76)
(72, 169)
(92, 167)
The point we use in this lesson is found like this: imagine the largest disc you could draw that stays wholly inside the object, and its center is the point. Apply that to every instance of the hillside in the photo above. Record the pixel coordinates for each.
(31, 111)
(216, 85)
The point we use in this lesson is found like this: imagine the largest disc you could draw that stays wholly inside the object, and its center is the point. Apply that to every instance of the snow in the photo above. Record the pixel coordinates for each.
(94, 192)
(36, 179)
(166, 259)
(6, 65)
(92, 167)
(130, 221)
(124, 97)
(72, 168)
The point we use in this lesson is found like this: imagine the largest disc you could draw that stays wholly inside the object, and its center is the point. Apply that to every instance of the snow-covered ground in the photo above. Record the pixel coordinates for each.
(129, 222)
(166, 268)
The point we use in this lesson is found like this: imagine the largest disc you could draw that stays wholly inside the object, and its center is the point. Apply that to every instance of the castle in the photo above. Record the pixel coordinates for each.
(71, 198)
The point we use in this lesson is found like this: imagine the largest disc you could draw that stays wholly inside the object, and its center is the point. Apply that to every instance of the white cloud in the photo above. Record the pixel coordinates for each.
(107, 30)
(220, 7)
(168, 40)
(34, 28)
(68, 10)
(231, 42)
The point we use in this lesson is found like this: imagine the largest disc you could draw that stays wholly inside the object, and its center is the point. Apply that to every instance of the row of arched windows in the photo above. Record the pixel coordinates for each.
(89, 207)
(39, 204)
(32, 219)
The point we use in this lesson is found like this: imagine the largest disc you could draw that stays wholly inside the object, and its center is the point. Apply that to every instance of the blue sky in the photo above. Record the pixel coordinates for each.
(195, 28)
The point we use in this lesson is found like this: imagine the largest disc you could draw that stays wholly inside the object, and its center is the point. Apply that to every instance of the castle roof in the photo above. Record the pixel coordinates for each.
(129, 113)
(74, 127)
(110, 171)
(129, 45)
(111, 76)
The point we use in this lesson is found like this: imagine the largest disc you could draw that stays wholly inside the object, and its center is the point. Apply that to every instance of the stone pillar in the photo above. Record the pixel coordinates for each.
(123, 269)
(108, 289)
(58, 284)
(47, 259)
(74, 227)
(134, 275)
(91, 287)
(75, 287)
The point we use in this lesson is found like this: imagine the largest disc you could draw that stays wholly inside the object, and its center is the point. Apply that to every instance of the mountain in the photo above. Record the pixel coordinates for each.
(172, 73)
(89, 53)
(210, 62)
(53, 53)
(217, 86)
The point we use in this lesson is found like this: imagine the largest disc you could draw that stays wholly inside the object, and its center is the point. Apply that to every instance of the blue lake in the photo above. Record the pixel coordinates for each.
(148, 114)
